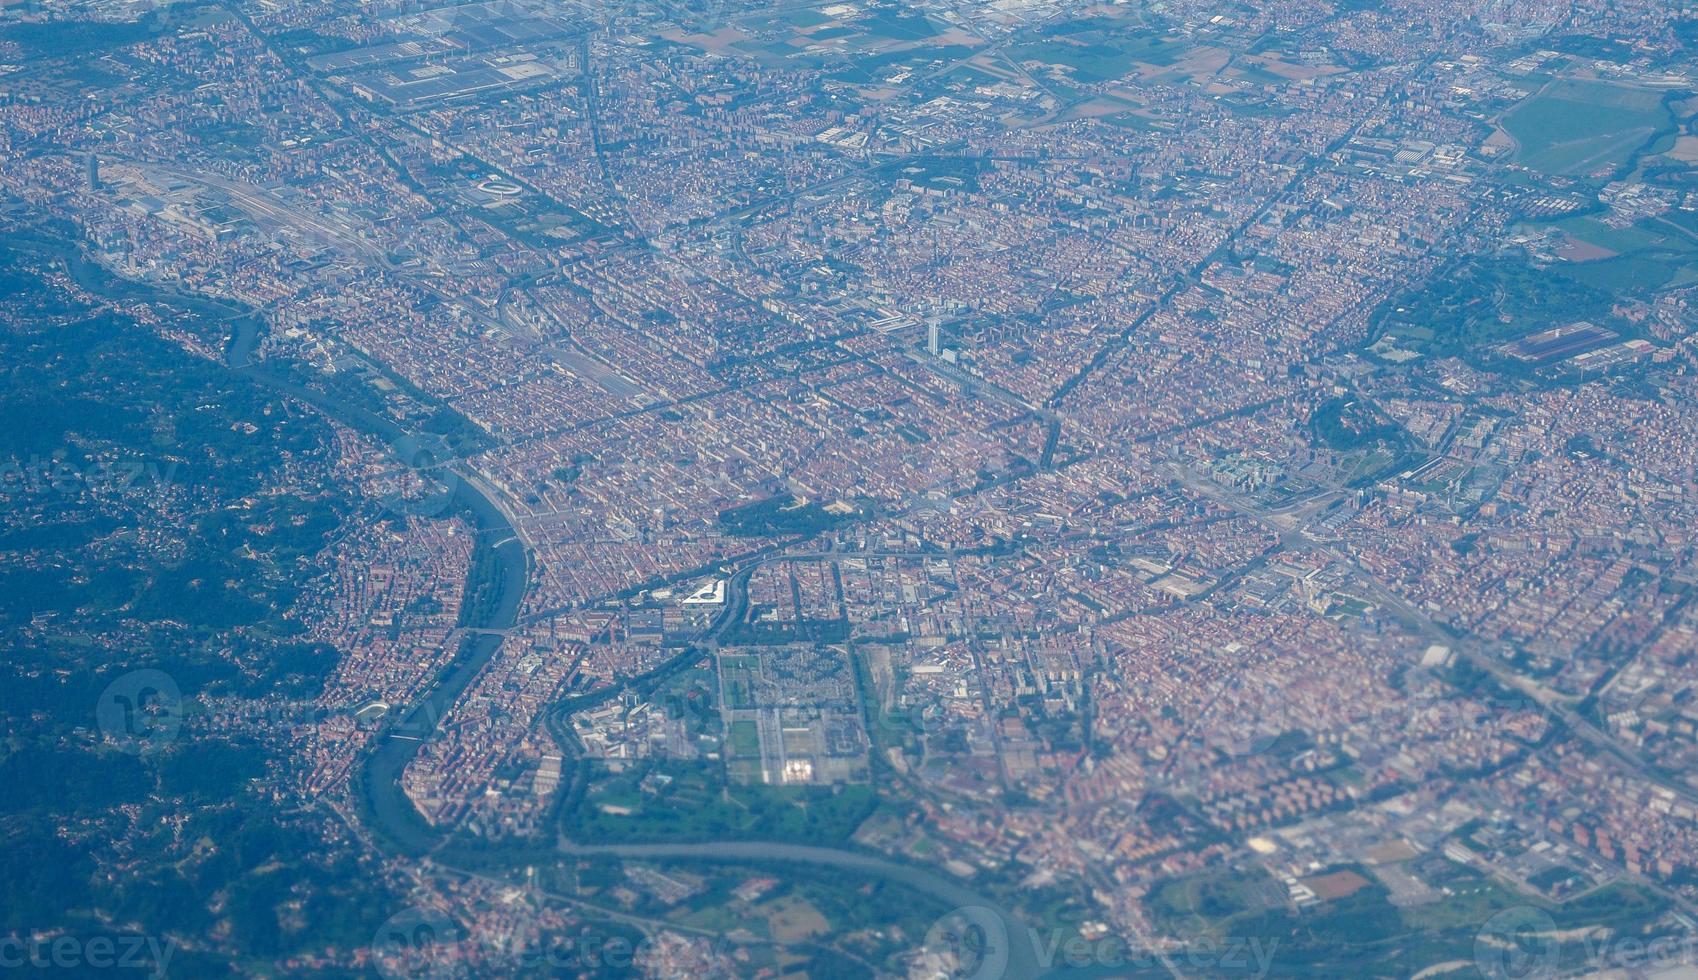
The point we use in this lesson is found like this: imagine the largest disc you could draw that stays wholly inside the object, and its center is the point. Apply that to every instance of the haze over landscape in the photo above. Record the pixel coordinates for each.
(952, 489)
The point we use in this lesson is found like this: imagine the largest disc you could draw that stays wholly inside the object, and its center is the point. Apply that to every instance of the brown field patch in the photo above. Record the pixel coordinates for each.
(1685, 149)
(794, 920)
(1579, 250)
(1339, 884)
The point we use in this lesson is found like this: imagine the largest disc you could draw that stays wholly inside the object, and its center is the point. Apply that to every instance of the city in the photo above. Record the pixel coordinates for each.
(965, 488)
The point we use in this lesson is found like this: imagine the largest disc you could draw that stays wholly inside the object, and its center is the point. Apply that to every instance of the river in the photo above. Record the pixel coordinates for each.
(392, 814)
(389, 814)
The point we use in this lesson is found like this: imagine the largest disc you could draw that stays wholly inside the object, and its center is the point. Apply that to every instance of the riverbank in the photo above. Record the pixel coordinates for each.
(500, 556)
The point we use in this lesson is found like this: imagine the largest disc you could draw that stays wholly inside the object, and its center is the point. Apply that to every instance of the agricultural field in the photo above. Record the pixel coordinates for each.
(1351, 920)
(1651, 254)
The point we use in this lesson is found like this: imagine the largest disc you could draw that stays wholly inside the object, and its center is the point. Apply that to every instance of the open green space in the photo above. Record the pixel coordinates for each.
(1580, 127)
(783, 515)
(744, 739)
(678, 804)
(1651, 254)
(149, 498)
(1363, 934)
(1101, 50)
(1484, 302)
